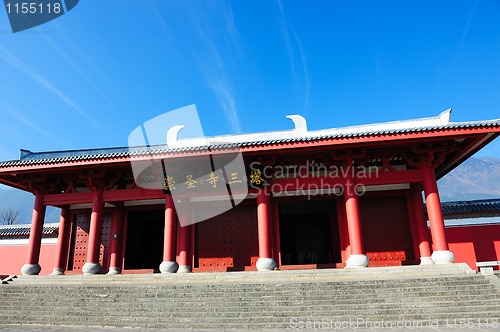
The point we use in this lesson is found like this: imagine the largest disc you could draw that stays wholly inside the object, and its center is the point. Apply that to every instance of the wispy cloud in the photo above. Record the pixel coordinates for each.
(296, 55)
(467, 24)
(18, 64)
(167, 33)
(227, 102)
(77, 67)
(219, 54)
(24, 120)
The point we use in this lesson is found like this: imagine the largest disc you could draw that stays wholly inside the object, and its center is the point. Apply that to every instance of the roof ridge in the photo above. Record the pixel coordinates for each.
(114, 152)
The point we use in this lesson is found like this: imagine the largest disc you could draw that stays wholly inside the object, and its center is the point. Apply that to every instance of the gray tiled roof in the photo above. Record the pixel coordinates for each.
(24, 231)
(40, 158)
(471, 207)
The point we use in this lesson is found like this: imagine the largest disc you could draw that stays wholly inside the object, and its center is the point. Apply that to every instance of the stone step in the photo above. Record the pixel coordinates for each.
(470, 279)
(251, 299)
(70, 297)
(146, 282)
(175, 279)
(254, 288)
(257, 305)
(443, 306)
(227, 294)
(256, 291)
(283, 276)
(263, 307)
(179, 297)
(256, 322)
(81, 301)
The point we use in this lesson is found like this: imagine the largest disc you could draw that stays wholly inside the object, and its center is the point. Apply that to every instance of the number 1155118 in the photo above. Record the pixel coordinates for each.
(33, 8)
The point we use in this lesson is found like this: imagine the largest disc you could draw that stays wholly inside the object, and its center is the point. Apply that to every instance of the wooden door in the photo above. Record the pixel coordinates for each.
(243, 237)
(386, 230)
(228, 241)
(81, 239)
(211, 243)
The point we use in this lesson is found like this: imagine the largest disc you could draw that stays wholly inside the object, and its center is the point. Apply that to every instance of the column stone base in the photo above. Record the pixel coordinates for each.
(58, 271)
(443, 257)
(266, 264)
(91, 268)
(426, 261)
(115, 270)
(169, 267)
(184, 269)
(357, 261)
(31, 269)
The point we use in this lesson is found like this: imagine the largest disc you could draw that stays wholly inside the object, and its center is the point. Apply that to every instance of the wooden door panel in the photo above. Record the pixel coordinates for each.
(82, 238)
(386, 230)
(212, 242)
(243, 236)
(228, 241)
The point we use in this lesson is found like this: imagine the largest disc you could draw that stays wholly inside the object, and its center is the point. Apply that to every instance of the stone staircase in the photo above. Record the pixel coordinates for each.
(413, 295)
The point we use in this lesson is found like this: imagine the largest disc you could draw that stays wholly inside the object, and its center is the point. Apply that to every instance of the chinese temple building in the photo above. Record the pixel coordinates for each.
(334, 198)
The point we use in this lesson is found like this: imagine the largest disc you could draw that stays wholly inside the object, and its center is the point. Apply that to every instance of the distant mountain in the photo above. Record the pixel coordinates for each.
(23, 202)
(477, 178)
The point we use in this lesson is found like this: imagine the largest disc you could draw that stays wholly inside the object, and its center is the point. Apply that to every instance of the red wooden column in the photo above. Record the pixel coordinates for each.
(420, 226)
(117, 237)
(92, 265)
(441, 253)
(276, 230)
(35, 241)
(358, 258)
(62, 242)
(345, 248)
(184, 235)
(265, 261)
(169, 265)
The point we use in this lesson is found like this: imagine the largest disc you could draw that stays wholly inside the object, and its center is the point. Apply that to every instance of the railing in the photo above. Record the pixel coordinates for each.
(486, 268)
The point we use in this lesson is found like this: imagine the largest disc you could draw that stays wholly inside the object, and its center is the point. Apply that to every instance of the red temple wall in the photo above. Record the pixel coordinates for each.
(472, 244)
(13, 257)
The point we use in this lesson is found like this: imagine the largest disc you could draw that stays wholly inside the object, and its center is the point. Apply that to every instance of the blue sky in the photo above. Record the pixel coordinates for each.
(88, 78)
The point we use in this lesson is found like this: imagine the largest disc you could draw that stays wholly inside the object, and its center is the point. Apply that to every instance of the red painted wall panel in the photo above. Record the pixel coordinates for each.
(472, 244)
(12, 258)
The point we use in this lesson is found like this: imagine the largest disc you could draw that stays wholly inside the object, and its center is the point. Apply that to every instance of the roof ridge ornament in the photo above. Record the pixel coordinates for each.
(300, 124)
(173, 136)
(445, 116)
(23, 153)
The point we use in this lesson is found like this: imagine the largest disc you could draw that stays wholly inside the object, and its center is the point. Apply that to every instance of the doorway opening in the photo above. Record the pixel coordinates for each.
(144, 243)
(309, 233)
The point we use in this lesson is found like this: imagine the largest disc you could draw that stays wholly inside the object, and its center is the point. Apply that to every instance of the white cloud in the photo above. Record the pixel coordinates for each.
(18, 64)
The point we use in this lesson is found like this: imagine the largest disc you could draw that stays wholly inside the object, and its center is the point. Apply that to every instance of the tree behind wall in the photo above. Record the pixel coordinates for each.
(9, 216)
